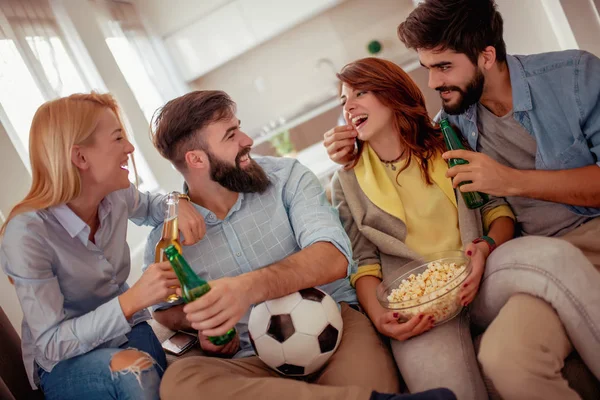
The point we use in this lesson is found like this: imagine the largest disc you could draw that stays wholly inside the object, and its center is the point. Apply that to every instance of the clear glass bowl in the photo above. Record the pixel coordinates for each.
(443, 303)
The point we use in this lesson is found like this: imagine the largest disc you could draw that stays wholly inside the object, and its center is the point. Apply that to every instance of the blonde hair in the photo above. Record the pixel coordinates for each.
(57, 126)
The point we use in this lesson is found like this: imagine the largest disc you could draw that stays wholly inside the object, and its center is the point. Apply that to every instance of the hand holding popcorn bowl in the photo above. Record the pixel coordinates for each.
(430, 285)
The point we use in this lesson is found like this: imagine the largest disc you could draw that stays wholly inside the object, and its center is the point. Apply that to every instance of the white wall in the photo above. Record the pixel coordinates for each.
(527, 28)
(585, 22)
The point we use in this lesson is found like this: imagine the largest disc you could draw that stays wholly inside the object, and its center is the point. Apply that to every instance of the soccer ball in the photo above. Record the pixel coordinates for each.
(296, 334)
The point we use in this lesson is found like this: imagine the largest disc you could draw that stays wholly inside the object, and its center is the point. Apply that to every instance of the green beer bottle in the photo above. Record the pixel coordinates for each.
(193, 287)
(472, 199)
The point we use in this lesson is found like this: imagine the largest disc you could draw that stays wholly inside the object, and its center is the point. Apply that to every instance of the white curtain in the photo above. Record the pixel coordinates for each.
(140, 55)
(35, 66)
(31, 24)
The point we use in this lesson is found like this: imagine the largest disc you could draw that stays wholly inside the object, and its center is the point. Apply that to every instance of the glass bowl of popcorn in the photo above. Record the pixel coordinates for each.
(430, 285)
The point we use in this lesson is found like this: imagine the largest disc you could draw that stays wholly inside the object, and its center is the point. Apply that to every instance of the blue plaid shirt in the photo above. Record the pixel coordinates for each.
(261, 229)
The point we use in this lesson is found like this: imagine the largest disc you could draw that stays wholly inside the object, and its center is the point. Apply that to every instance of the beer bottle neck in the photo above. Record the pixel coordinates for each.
(187, 277)
(170, 226)
(451, 138)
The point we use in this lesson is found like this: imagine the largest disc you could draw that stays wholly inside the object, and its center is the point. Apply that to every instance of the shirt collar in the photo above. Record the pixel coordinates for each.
(69, 220)
(210, 217)
(74, 225)
(520, 89)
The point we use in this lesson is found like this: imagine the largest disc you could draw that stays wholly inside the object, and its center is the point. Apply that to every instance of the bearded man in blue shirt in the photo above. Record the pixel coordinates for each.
(269, 232)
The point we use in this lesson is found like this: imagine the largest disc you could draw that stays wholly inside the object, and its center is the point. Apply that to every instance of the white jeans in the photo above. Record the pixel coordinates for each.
(552, 270)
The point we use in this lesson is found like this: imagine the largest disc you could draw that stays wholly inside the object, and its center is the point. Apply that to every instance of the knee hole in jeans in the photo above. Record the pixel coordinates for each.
(127, 360)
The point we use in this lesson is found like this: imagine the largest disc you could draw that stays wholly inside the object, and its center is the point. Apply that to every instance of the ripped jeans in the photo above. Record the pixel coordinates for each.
(89, 376)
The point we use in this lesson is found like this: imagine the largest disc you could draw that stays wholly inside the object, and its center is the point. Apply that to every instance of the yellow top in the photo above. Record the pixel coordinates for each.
(431, 216)
(430, 212)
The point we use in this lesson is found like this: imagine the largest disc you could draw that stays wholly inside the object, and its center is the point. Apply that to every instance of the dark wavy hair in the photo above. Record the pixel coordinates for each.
(396, 90)
(465, 26)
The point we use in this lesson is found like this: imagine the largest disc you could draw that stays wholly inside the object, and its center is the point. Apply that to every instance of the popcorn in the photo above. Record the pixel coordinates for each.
(415, 294)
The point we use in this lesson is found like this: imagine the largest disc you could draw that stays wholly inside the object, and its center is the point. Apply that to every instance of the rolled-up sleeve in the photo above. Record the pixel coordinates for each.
(28, 261)
(312, 216)
(144, 208)
(496, 208)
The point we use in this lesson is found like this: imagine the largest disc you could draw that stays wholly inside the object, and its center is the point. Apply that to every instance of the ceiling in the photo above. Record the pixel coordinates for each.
(166, 17)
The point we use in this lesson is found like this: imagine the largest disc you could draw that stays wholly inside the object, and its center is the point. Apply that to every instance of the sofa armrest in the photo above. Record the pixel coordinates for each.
(12, 371)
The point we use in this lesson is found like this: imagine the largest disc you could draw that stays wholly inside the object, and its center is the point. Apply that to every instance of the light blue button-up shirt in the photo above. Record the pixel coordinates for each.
(67, 285)
(556, 98)
(261, 229)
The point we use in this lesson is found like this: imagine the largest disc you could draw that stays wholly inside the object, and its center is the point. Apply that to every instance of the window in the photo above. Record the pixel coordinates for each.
(130, 65)
(58, 66)
(19, 97)
(35, 66)
(138, 56)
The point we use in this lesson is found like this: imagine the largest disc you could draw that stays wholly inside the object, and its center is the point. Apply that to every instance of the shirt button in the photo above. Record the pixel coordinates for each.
(473, 134)
(100, 257)
(238, 254)
(211, 217)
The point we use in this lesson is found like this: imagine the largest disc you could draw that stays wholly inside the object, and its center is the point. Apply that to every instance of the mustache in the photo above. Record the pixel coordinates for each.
(449, 89)
(242, 153)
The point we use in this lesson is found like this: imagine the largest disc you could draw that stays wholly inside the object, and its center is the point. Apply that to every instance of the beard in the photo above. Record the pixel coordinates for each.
(252, 179)
(467, 97)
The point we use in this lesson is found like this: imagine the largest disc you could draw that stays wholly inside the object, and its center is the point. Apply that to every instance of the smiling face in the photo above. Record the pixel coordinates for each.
(459, 82)
(363, 110)
(228, 150)
(107, 155)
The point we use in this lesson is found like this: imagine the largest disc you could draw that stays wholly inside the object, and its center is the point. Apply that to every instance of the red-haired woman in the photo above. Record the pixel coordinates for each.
(396, 205)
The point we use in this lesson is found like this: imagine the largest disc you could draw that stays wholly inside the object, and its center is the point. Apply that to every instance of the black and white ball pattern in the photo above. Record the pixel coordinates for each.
(298, 333)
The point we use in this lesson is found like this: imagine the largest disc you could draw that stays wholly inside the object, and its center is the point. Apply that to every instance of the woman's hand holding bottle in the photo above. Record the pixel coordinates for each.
(156, 283)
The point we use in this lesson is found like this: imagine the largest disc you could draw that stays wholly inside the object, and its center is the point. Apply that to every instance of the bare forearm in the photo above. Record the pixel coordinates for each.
(502, 230)
(315, 265)
(173, 318)
(365, 291)
(578, 187)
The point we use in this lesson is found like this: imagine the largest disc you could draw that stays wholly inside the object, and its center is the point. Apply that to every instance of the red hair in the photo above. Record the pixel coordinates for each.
(396, 90)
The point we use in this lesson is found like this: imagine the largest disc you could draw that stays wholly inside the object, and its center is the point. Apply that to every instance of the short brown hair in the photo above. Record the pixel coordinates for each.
(177, 123)
(464, 26)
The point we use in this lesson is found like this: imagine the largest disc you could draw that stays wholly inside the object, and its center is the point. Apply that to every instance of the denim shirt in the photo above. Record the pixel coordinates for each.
(67, 285)
(556, 98)
(264, 228)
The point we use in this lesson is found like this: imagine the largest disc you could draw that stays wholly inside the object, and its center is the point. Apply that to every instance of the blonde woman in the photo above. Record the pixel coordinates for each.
(64, 246)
